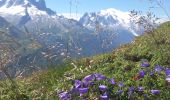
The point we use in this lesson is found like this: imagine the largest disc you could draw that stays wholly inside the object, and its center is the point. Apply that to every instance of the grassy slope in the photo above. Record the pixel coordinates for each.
(45, 85)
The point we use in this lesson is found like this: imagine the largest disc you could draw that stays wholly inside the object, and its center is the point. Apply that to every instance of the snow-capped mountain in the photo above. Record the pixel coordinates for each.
(110, 18)
(19, 7)
(48, 28)
(54, 35)
(24, 10)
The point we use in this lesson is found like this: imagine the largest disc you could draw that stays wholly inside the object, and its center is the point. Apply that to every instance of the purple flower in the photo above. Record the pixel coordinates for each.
(131, 89)
(145, 64)
(145, 96)
(142, 74)
(168, 78)
(158, 68)
(120, 84)
(64, 96)
(152, 74)
(92, 83)
(130, 92)
(119, 92)
(140, 89)
(167, 71)
(86, 84)
(74, 90)
(99, 77)
(102, 87)
(88, 78)
(77, 83)
(112, 81)
(155, 91)
(104, 97)
(83, 90)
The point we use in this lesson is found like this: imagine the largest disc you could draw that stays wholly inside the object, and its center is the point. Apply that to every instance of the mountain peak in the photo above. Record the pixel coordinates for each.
(22, 4)
(109, 18)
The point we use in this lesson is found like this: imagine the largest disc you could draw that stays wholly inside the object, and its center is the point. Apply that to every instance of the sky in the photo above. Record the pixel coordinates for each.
(79, 7)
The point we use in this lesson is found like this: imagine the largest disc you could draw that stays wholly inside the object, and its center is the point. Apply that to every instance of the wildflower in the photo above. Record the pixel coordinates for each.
(104, 97)
(92, 83)
(168, 78)
(120, 84)
(77, 83)
(131, 89)
(99, 77)
(88, 78)
(158, 68)
(130, 92)
(102, 87)
(156, 92)
(167, 71)
(64, 96)
(86, 83)
(74, 91)
(119, 92)
(142, 74)
(83, 90)
(112, 81)
(140, 89)
(152, 74)
(145, 96)
(145, 64)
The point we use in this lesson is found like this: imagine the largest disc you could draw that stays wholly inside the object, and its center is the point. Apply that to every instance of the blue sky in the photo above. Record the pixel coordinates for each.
(63, 6)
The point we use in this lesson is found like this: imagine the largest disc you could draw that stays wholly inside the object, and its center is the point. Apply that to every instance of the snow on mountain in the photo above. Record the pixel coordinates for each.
(24, 10)
(53, 32)
(19, 6)
(21, 12)
(108, 23)
(122, 17)
(109, 18)
(71, 16)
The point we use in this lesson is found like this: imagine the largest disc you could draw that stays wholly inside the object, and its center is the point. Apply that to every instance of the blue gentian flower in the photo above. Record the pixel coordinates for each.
(92, 83)
(120, 84)
(168, 78)
(100, 77)
(145, 64)
(142, 74)
(158, 68)
(156, 92)
(140, 89)
(131, 89)
(152, 74)
(104, 97)
(145, 96)
(74, 90)
(88, 78)
(167, 71)
(102, 87)
(83, 90)
(64, 96)
(112, 81)
(130, 92)
(86, 84)
(119, 92)
(77, 83)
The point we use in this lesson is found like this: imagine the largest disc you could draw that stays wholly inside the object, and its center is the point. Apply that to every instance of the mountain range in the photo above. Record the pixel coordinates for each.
(48, 38)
